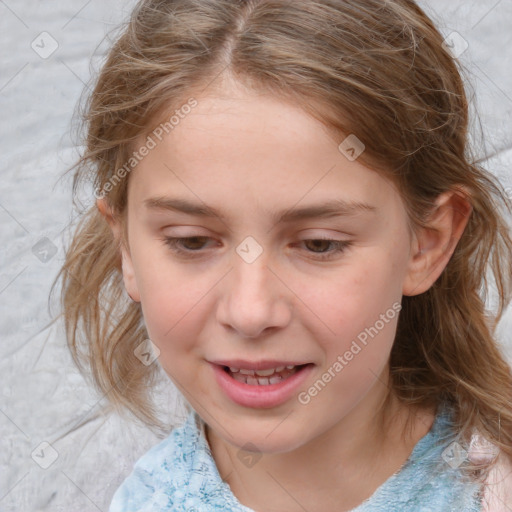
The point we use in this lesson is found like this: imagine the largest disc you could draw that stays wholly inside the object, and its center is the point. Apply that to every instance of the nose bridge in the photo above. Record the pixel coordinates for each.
(253, 297)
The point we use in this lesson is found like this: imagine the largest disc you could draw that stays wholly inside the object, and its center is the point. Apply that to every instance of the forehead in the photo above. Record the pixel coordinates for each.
(256, 151)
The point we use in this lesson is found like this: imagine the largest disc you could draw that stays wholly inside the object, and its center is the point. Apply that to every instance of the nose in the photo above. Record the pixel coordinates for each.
(254, 299)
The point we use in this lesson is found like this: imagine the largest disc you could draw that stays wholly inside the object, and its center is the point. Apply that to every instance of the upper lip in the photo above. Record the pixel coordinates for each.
(266, 364)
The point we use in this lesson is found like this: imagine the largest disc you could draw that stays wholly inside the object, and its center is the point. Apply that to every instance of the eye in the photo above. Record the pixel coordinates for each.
(177, 244)
(318, 243)
(192, 246)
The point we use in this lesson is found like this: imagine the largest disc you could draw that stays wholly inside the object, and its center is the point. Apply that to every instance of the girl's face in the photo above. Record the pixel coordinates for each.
(255, 243)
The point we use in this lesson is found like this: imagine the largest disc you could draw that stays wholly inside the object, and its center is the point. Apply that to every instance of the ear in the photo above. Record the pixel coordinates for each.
(116, 226)
(433, 245)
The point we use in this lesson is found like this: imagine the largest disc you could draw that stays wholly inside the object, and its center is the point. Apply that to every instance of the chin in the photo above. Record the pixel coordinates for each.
(269, 437)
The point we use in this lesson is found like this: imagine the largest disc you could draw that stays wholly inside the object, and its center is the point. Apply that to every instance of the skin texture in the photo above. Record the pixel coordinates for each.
(248, 155)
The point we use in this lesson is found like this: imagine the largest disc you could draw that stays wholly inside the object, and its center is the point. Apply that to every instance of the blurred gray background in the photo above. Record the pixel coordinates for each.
(48, 52)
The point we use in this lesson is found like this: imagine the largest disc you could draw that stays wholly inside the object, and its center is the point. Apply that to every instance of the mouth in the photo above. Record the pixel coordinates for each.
(265, 377)
(261, 385)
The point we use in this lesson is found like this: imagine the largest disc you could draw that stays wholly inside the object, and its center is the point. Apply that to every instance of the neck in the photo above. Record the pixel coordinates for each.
(335, 471)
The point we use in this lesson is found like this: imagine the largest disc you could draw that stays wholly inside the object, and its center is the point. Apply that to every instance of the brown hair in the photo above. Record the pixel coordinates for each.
(365, 67)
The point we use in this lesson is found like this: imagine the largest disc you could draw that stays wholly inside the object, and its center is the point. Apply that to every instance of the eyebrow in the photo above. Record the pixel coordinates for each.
(327, 209)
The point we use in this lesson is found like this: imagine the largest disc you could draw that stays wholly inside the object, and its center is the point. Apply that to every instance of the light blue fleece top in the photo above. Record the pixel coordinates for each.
(179, 474)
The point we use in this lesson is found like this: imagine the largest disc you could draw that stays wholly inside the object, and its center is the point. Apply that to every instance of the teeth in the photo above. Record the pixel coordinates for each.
(265, 373)
(262, 373)
(262, 377)
(275, 379)
(253, 381)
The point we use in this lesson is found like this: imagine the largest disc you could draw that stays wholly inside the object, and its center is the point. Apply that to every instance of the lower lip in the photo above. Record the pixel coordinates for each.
(260, 397)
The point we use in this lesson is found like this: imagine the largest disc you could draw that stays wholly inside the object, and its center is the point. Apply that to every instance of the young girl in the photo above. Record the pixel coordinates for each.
(286, 193)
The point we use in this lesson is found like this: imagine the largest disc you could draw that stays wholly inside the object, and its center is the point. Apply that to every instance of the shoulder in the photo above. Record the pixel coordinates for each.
(497, 490)
(498, 487)
(177, 474)
(159, 473)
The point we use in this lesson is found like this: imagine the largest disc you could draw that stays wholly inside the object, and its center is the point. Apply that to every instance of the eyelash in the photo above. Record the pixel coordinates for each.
(341, 246)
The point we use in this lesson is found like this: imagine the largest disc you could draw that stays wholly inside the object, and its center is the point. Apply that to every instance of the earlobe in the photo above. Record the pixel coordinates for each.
(433, 245)
(115, 224)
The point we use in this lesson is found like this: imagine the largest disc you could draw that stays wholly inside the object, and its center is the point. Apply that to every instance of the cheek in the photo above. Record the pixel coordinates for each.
(169, 309)
(171, 299)
(364, 317)
(361, 310)
(171, 319)
(354, 298)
